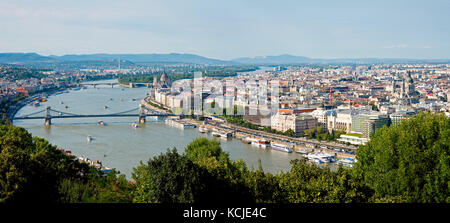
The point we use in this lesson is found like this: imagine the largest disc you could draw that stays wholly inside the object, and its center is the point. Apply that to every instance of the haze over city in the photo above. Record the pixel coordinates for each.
(229, 29)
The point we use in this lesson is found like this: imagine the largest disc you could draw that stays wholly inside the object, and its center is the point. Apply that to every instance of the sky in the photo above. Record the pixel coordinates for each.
(229, 28)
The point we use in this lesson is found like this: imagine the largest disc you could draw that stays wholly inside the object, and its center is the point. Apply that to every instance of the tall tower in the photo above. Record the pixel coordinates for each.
(393, 86)
(119, 63)
(409, 84)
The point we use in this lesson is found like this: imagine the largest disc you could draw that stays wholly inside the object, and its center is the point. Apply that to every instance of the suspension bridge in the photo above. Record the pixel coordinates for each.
(48, 114)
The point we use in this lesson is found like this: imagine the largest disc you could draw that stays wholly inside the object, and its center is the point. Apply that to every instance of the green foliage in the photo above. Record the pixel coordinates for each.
(174, 178)
(321, 134)
(315, 184)
(20, 73)
(33, 170)
(408, 162)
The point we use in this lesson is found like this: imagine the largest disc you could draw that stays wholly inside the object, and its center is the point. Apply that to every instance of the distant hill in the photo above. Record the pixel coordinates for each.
(34, 58)
(289, 59)
(281, 59)
(24, 58)
(144, 58)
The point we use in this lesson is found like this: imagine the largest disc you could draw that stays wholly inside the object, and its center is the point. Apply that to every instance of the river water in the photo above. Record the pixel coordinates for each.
(117, 144)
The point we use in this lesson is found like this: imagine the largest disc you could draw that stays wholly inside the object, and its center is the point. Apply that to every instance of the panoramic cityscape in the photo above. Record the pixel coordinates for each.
(99, 118)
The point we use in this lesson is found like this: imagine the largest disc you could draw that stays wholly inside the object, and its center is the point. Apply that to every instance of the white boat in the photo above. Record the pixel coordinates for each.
(216, 133)
(134, 125)
(105, 170)
(347, 161)
(249, 140)
(226, 135)
(261, 143)
(303, 152)
(321, 157)
(203, 129)
(281, 147)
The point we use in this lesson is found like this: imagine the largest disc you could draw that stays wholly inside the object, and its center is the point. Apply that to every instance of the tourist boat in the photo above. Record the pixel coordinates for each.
(203, 129)
(105, 170)
(216, 133)
(322, 157)
(303, 152)
(347, 161)
(89, 138)
(134, 125)
(226, 135)
(261, 143)
(281, 147)
(249, 140)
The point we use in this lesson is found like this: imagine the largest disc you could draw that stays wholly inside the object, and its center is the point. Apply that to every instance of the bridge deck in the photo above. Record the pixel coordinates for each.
(94, 116)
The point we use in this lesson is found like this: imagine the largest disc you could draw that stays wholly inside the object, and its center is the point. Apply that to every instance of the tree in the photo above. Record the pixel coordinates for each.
(408, 162)
(308, 183)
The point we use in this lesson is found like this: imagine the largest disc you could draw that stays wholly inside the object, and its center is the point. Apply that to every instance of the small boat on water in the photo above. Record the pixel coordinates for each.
(89, 138)
(321, 157)
(303, 152)
(62, 102)
(106, 170)
(203, 129)
(263, 143)
(216, 133)
(106, 107)
(281, 147)
(226, 135)
(36, 104)
(249, 140)
(347, 161)
(67, 107)
(111, 99)
(101, 122)
(134, 125)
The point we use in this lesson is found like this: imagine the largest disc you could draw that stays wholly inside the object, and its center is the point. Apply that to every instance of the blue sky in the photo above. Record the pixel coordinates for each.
(229, 29)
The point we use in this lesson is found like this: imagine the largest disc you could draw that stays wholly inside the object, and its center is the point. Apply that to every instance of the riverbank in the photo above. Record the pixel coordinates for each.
(14, 108)
(239, 132)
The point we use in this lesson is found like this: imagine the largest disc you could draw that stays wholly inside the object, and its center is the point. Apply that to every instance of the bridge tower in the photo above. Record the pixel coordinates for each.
(141, 114)
(47, 117)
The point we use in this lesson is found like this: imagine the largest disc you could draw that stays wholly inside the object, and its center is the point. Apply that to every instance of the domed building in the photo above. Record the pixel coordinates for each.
(163, 82)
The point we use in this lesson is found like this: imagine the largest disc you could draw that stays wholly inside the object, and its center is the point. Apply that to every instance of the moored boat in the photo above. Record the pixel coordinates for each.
(281, 147)
(203, 129)
(263, 143)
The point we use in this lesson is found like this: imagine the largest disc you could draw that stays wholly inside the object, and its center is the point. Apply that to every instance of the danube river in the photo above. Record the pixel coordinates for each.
(117, 144)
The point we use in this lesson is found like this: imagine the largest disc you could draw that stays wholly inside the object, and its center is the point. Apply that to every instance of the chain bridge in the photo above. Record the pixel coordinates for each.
(48, 114)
